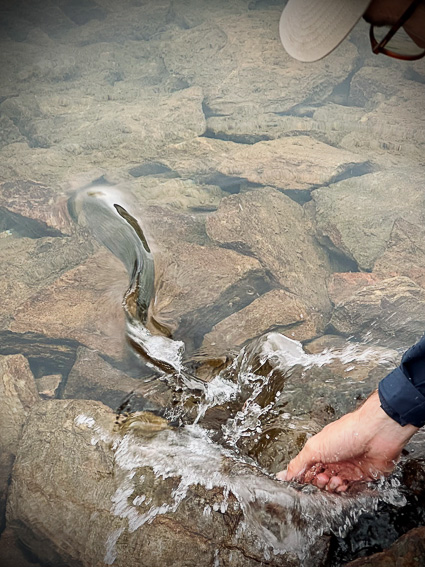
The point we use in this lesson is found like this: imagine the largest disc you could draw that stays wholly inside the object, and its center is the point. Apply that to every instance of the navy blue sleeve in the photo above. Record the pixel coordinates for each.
(402, 392)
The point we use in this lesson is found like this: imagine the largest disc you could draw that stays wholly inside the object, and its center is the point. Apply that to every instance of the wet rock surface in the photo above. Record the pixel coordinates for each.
(408, 551)
(275, 310)
(18, 394)
(192, 297)
(404, 254)
(45, 207)
(122, 507)
(92, 378)
(28, 265)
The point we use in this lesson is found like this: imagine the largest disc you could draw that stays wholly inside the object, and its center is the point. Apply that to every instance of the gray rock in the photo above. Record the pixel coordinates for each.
(11, 553)
(357, 215)
(9, 133)
(124, 131)
(371, 85)
(178, 193)
(110, 24)
(270, 226)
(389, 313)
(18, 394)
(393, 128)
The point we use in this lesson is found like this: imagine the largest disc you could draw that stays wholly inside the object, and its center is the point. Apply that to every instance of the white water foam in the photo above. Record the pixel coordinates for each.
(190, 455)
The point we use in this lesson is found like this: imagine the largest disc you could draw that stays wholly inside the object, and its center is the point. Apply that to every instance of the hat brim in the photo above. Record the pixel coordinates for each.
(311, 29)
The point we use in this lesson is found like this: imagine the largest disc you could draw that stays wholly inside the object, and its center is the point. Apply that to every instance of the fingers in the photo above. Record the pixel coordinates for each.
(335, 477)
(282, 475)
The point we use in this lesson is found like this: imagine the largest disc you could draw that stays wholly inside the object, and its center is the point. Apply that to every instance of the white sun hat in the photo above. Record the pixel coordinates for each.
(311, 29)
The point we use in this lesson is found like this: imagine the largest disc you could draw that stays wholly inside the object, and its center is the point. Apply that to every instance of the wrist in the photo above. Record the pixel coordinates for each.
(381, 425)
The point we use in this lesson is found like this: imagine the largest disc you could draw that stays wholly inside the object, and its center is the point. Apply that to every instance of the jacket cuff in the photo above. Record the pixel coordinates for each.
(401, 400)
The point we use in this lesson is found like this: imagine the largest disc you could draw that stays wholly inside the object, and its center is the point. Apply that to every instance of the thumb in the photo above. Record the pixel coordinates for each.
(299, 465)
(281, 475)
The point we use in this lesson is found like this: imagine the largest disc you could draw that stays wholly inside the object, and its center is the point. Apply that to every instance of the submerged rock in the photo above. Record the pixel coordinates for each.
(408, 551)
(270, 226)
(29, 265)
(92, 378)
(198, 286)
(18, 394)
(48, 386)
(12, 554)
(296, 392)
(83, 304)
(287, 163)
(276, 310)
(390, 313)
(341, 286)
(241, 67)
(405, 253)
(357, 215)
(25, 200)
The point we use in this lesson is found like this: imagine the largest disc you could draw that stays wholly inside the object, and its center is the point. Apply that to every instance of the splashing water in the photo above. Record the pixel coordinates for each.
(189, 453)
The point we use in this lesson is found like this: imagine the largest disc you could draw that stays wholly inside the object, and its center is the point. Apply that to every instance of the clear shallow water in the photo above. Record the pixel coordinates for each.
(268, 191)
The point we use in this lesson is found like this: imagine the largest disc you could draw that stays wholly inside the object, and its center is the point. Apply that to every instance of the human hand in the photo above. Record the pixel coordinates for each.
(360, 446)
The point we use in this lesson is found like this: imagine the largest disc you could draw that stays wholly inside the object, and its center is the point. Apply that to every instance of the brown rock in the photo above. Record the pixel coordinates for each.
(405, 253)
(276, 310)
(389, 313)
(92, 378)
(167, 227)
(408, 551)
(343, 285)
(270, 226)
(198, 286)
(288, 163)
(358, 214)
(35, 201)
(18, 394)
(47, 386)
(27, 265)
(149, 497)
(84, 305)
